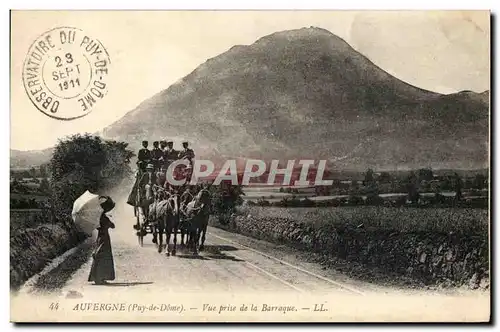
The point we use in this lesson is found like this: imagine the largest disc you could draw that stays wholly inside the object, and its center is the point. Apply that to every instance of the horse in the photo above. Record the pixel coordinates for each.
(166, 219)
(198, 213)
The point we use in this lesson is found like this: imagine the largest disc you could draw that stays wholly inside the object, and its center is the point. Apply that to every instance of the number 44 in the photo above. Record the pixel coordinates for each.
(54, 306)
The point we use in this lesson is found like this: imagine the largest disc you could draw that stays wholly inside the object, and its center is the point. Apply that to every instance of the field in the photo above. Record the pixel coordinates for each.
(275, 196)
(384, 218)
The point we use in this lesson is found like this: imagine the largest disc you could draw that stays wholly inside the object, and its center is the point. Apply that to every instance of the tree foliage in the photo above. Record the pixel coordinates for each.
(225, 199)
(369, 177)
(479, 181)
(85, 162)
(425, 174)
(412, 188)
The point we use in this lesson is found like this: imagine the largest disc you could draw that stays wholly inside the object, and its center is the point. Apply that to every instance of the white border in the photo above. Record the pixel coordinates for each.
(254, 4)
(188, 4)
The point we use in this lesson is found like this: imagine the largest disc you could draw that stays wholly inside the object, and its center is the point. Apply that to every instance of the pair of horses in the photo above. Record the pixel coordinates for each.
(166, 216)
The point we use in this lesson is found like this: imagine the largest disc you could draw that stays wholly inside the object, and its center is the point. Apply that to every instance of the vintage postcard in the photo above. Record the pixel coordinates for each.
(250, 166)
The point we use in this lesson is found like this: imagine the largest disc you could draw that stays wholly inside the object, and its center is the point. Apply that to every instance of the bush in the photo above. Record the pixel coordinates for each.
(306, 202)
(400, 201)
(262, 202)
(289, 202)
(355, 200)
(374, 200)
(225, 199)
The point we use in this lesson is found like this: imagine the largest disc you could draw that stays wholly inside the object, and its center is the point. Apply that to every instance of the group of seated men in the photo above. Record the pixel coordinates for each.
(162, 155)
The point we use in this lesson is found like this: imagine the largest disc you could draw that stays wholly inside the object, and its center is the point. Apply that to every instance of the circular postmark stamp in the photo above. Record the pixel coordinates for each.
(65, 73)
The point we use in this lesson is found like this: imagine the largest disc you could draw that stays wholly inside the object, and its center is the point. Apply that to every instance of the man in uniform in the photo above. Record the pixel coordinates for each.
(156, 154)
(144, 156)
(170, 155)
(163, 146)
(188, 154)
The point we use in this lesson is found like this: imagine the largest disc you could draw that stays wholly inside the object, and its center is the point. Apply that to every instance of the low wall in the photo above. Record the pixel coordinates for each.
(32, 248)
(428, 258)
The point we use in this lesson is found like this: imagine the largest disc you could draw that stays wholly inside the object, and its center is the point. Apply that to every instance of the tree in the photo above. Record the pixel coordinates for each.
(44, 186)
(412, 188)
(385, 177)
(458, 187)
(43, 171)
(85, 162)
(479, 181)
(369, 178)
(33, 173)
(225, 199)
(425, 174)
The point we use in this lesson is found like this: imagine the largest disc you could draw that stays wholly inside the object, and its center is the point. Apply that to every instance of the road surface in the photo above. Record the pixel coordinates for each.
(233, 272)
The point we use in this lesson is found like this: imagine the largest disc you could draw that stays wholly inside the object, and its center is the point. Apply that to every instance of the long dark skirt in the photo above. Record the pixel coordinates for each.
(103, 267)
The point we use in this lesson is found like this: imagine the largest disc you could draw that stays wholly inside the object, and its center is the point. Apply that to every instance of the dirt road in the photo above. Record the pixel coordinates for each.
(233, 273)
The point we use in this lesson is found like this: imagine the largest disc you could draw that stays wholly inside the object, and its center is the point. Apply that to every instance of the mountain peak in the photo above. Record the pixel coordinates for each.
(307, 93)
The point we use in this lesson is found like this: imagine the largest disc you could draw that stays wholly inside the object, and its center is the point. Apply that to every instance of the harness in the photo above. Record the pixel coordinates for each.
(170, 198)
(196, 200)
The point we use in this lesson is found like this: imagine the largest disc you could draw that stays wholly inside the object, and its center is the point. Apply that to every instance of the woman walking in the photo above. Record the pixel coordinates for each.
(103, 268)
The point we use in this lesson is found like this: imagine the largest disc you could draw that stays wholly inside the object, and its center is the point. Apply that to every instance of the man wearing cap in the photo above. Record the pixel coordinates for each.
(149, 177)
(163, 146)
(156, 154)
(144, 156)
(170, 155)
(186, 153)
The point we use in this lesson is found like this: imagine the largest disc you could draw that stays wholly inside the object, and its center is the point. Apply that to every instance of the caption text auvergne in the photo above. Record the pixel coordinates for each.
(179, 308)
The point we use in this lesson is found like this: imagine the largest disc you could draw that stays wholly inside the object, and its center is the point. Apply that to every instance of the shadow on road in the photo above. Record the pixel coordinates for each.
(126, 284)
(219, 248)
(214, 252)
(224, 256)
(193, 257)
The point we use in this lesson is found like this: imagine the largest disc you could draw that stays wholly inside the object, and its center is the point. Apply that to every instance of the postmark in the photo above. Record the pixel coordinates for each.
(65, 73)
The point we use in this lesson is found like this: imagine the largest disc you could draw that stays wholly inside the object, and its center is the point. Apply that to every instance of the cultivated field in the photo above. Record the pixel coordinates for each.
(402, 219)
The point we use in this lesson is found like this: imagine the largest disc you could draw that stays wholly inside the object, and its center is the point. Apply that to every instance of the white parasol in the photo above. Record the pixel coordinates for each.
(87, 211)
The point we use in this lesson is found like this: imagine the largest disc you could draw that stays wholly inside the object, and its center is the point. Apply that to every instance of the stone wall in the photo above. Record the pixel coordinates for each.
(430, 258)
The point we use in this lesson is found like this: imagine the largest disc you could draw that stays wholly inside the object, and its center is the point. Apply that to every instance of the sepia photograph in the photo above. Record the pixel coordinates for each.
(250, 166)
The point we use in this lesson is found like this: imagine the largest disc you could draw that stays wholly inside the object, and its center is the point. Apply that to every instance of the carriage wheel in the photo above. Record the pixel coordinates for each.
(140, 237)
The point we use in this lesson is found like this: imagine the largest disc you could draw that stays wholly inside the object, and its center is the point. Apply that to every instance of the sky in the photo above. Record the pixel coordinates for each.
(439, 51)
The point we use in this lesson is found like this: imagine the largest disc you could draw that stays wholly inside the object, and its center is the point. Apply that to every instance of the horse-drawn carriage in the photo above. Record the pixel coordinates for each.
(172, 210)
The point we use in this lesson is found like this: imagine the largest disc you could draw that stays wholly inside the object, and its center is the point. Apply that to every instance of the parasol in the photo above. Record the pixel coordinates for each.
(87, 211)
